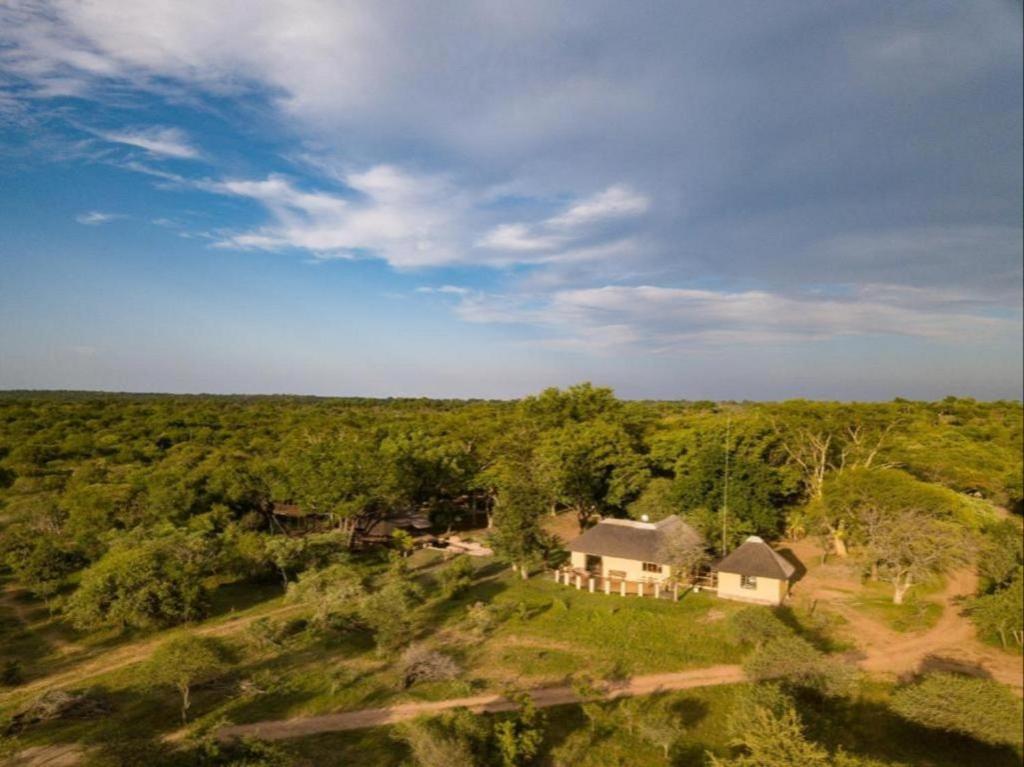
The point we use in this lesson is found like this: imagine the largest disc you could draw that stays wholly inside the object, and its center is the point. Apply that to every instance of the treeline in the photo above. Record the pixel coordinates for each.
(125, 509)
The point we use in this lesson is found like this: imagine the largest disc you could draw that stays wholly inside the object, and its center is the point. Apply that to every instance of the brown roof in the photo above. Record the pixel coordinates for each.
(640, 541)
(757, 558)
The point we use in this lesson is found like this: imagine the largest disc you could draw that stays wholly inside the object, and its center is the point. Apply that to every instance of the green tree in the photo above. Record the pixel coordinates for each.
(1001, 613)
(517, 535)
(144, 583)
(519, 737)
(186, 661)
(980, 708)
(593, 468)
(333, 594)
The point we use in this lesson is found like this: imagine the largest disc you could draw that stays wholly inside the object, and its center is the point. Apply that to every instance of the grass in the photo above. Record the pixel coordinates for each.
(917, 613)
(543, 633)
(863, 725)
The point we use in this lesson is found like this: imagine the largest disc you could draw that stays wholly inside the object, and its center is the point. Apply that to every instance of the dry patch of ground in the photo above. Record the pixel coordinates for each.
(951, 643)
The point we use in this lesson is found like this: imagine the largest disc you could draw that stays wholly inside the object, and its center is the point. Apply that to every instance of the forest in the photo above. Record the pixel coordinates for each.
(125, 516)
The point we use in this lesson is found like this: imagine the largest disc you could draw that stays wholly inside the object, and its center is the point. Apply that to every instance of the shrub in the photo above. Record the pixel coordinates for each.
(457, 577)
(480, 618)
(794, 660)
(421, 664)
(433, 746)
(756, 626)
(980, 708)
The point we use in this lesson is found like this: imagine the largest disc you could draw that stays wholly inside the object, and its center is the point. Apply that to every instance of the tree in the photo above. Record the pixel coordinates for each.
(766, 725)
(909, 546)
(387, 612)
(657, 501)
(287, 554)
(517, 535)
(1001, 554)
(333, 592)
(144, 583)
(592, 468)
(519, 737)
(980, 708)
(40, 562)
(1001, 613)
(658, 724)
(684, 550)
(457, 576)
(186, 661)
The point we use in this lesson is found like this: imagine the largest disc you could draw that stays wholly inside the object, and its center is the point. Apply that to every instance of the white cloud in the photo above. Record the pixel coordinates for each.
(164, 142)
(97, 217)
(518, 238)
(409, 221)
(664, 319)
(618, 201)
(581, 222)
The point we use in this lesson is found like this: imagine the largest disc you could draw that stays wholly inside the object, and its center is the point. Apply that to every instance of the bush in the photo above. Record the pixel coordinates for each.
(756, 626)
(457, 577)
(420, 664)
(980, 708)
(480, 618)
(794, 660)
(432, 745)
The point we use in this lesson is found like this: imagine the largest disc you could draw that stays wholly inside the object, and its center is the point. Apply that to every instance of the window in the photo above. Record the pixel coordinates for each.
(650, 567)
(748, 581)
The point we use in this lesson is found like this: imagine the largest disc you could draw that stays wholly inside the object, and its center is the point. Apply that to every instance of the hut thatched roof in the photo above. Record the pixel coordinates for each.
(757, 558)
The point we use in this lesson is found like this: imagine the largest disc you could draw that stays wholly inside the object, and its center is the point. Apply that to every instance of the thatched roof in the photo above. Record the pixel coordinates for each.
(640, 541)
(757, 558)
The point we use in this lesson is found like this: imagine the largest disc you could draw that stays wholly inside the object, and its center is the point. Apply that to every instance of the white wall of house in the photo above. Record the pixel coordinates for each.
(765, 591)
(617, 567)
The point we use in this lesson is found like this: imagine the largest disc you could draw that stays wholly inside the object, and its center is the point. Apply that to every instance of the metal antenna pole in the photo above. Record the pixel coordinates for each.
(725, 492)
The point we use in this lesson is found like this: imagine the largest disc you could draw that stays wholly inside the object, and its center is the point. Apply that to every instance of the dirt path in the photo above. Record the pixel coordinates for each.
(136, 652)
(951, 644)
(543, 697)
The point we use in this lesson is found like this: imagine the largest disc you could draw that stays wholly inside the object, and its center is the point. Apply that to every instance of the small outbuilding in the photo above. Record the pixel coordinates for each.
(630, 550)
(755, 572)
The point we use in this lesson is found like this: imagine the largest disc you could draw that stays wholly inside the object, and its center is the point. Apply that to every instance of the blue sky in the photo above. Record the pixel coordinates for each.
(680, 200)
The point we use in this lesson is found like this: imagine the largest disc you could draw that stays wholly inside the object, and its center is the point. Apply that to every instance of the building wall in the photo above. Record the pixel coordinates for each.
(633, 568)
(769, 591)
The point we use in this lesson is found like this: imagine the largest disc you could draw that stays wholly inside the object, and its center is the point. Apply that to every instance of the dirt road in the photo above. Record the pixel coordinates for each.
(545, 696)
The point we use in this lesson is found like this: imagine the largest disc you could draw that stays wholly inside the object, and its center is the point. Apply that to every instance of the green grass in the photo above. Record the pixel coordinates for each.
(917, 613)
(863, 726)
(544, 633)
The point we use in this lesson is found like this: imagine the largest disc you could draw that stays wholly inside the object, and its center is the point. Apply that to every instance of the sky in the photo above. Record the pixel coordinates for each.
(734, 200)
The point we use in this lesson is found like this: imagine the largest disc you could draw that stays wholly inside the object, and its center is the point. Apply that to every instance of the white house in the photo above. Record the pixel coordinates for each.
(628, 550)
(755, 572)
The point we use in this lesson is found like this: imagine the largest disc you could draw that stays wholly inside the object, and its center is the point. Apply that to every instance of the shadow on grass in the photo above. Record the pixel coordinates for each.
(816, 636)
(870, 728)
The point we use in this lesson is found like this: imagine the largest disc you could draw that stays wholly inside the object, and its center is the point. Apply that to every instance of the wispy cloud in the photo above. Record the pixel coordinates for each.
(97, 217)
(163, 142)
(579, 222)
(665, 319)
(414, 220)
